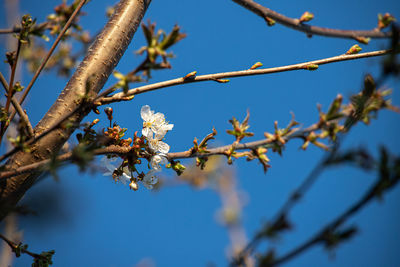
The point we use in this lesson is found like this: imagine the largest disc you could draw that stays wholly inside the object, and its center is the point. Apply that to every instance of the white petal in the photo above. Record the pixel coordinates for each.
(161, 131)
(153, 143)
(150, 179)
(162, 147)
(107, 163)
(147, 132)
(125, 178)
(159, 134)
(158, 118)
(148, 186)
(146, 113)
(156, 160)
(168, 127)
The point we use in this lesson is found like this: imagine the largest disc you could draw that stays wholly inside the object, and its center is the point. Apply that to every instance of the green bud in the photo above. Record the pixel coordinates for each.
(307, 16)
(354, 50)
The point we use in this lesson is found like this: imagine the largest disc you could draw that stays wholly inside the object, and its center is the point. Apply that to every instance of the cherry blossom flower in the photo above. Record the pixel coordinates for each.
(108, 163)
(157, 145)
(158, 159)
(154, 123)
(150, 179)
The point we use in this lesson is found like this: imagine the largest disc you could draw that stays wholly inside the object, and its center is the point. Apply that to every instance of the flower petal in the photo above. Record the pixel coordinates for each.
(156, 160)
(147, 132)
(146, 113)
(162, 147)
(159, 118)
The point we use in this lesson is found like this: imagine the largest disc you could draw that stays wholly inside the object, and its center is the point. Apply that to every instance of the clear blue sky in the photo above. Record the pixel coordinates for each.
(105, 224)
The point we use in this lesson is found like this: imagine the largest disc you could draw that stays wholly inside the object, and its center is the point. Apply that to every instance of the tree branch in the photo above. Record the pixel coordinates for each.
(122, 151)
(17, 107)
(295, 24)
(15, 246)
(53, 47)
(217, 76)
(372, 193)
(103, 55)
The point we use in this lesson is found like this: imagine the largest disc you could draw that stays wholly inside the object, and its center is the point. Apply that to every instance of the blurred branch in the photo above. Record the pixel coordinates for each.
(6, 31)
(386, 181)
(17, 29)
(296, 24)
(280, 220)
(218, 76)
(11, 230)
(53, 47)
(18, 249)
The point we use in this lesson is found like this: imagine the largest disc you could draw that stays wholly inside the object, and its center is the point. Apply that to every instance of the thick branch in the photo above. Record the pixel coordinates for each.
(217, 76)
(103, 55)
(310, 30)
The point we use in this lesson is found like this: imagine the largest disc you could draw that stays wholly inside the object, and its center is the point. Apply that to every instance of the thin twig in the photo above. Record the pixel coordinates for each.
(53, 47)
(120, 150)
(17, 29)
(133, 72)
(319, 237)
(213, 77)
(14, 246)
(6, 31)
(10, 92)
(217, 76)
(18, 108)
(41, 135)
(295, 24)
(290, 202)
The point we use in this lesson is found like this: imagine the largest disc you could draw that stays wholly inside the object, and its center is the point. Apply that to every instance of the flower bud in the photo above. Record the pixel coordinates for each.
(307, 16)
(256, 65)
(354, 50)
(109, 113)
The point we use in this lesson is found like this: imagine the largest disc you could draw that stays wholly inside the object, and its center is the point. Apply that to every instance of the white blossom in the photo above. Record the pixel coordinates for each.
(154, 123)
(156, 160)
(126, 176)
(150, 179)
(108, 163)
(157, 145)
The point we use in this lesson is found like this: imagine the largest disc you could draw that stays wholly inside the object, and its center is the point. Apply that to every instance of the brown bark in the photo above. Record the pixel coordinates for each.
(91, 75)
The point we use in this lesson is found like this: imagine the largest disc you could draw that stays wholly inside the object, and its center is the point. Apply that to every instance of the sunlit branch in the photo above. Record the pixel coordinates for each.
(121, 150)
(116, 150)
(217, 76)
(295, 24)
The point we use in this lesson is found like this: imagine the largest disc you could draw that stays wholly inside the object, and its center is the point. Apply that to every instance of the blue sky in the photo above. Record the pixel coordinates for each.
(101, 223)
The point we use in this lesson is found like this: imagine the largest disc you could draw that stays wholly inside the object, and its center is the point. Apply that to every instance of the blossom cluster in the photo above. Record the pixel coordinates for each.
(154, 129)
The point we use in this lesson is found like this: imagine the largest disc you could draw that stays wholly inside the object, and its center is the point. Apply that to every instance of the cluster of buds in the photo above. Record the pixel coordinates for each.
(58, 19)
(385, 20)
(202, 148)
(157, 45)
